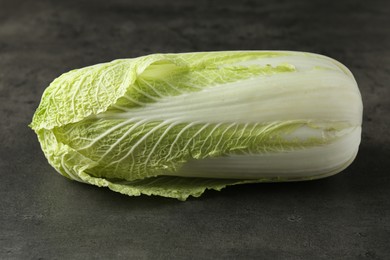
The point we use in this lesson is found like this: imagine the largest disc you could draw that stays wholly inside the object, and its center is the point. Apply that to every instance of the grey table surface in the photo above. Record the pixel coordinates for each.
(45, 216)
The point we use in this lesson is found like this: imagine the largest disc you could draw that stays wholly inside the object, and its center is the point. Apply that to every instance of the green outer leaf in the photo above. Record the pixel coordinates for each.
(88, 91)
(75, 166)
(168, 147)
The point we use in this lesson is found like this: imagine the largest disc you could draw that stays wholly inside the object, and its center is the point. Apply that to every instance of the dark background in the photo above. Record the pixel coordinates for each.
(45, 216)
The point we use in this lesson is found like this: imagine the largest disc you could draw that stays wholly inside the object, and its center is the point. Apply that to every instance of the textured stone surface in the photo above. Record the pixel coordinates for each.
(45, 216)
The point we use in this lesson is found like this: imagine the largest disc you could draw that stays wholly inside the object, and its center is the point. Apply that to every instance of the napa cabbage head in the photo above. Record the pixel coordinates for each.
(175, 125)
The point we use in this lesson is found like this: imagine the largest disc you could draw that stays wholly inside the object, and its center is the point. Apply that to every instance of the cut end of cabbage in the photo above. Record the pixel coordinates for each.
(175, 125)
